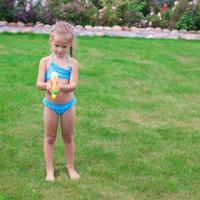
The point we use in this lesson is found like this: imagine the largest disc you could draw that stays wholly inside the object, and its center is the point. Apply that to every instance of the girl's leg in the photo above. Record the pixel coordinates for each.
(67, 125)
(51, 124)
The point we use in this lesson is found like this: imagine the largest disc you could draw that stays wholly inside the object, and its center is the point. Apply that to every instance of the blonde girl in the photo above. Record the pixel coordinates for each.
(62, 107)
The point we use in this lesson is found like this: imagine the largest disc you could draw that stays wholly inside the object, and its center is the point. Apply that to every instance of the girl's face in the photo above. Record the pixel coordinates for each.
(59, 46)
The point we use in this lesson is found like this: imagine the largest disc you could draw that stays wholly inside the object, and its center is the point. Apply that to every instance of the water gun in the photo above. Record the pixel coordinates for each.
(54, 85)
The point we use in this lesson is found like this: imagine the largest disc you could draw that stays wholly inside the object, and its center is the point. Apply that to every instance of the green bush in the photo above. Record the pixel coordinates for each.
(7, 10)
(13, 11)
(186, 22)
(196, 17)
(102, 12)
(43, 14)
(109, 17)
(155, 20)
(167, 20)
(75, 11)
(185, 16)
(131, 12)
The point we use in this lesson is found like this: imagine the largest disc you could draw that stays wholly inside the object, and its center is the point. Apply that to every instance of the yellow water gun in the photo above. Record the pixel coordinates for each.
(54, 85)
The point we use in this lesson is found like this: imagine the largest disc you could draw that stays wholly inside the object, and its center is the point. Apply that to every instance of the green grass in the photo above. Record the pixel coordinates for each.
(138, 120)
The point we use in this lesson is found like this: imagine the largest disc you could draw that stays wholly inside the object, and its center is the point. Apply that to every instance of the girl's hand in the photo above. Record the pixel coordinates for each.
(49, 87)
(58, 87)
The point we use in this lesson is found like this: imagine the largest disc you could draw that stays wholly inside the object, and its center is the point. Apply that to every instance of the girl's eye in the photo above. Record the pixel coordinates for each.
(64, 47)
(56, 45)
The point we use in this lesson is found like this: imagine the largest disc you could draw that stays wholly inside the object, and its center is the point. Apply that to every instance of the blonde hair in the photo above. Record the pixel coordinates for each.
(66, 30)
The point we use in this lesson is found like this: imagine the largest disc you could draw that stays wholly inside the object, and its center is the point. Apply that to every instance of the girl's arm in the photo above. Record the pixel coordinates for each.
(41, 84)
(73, 79)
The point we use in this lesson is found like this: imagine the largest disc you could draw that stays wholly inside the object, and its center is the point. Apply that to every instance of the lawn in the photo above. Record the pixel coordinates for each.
(137, 129)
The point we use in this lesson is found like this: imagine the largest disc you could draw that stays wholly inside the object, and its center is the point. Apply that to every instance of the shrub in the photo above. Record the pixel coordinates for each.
(185, 16)
(155, 20)
(25, 12)
(182, 17)
(7, 10)
(54, 7)
(196, 18)
(167, 20)
(181, 8)
(108, 16)
(75, 11)
(186, 22)
(130, 12)
(43, 14)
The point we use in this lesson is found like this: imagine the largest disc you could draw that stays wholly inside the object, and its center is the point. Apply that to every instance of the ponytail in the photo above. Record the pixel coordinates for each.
(71, 51)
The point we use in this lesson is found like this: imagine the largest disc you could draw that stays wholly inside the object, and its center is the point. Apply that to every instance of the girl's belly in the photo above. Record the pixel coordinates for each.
(62, 97)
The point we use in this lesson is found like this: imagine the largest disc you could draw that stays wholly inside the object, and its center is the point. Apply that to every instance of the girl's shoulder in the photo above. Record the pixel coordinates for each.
(73, 62)
(45, 59)
(44, 62)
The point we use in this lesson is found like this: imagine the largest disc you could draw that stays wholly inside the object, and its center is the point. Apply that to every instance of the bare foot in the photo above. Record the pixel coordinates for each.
(73, 174)
(50, 177)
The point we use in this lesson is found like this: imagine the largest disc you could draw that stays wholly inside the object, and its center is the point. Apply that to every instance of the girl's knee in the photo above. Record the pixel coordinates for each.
(50, 139)
(67, 139)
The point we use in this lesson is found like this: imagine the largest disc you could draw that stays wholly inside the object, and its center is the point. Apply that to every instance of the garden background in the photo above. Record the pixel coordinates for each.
(182, 14)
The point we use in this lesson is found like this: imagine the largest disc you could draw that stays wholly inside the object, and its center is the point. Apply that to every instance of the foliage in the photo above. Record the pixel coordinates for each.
(180, 9)
(77, 12)
(196, 17)
(54, 6)
(155, 20)
(184, 16)
(104, 12)
(167, 20)
(130, 12)
(44, 15)
(186, 22)
(7, 10)
(125, 12)
(25, 11)
(108, 13)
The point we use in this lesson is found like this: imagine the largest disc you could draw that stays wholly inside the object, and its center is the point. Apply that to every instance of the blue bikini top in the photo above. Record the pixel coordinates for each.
(62, 72)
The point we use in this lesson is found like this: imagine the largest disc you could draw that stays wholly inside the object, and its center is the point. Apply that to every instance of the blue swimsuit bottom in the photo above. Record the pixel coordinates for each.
(59, 108)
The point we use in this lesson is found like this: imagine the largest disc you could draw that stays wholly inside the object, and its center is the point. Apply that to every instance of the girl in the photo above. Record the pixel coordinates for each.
(62, 107)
